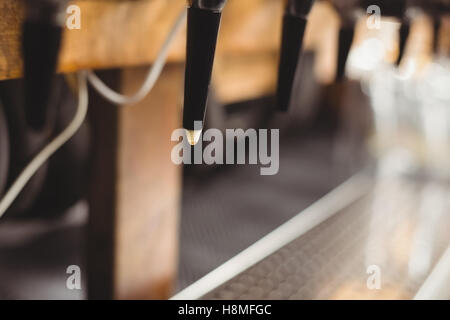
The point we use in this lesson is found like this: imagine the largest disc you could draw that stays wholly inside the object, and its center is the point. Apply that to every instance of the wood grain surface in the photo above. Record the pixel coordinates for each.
(135, 190)
(113, 33)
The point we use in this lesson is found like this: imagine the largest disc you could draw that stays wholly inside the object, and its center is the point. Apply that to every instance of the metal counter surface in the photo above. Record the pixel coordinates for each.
(395, 230)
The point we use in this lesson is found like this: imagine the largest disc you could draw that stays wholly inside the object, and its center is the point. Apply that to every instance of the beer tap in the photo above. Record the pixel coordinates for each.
(397, 9)
(202, 30)
(349, 11)
(41, 39)
(436, 9)
(294, 25)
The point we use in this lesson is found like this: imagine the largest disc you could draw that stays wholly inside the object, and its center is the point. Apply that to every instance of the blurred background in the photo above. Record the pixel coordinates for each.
(111, 201)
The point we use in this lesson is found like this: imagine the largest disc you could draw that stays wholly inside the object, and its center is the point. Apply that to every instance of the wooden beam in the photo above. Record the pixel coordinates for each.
(125, 33)
(120, 33)
(135, 192)
(113, 34)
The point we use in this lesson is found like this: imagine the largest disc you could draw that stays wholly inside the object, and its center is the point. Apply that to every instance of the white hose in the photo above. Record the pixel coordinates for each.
(51, 148)
(152, 76)
(105, 91)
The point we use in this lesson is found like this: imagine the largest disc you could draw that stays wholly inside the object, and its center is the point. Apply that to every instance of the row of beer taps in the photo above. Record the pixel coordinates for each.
(42, 34)
(203, 26)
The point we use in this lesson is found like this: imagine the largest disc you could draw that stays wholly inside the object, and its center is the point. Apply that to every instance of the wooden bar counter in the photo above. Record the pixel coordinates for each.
(134, 197)
(135, 189)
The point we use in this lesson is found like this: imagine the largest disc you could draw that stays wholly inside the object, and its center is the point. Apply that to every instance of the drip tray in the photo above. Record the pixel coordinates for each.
(367, 239)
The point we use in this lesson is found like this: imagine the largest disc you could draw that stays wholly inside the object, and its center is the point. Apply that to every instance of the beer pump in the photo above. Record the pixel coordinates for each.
(42, 32)
(31, 105)
(349, 12)
(294, 25)
(405, 28)
(397, 9)
(202, 30)
(436, 10)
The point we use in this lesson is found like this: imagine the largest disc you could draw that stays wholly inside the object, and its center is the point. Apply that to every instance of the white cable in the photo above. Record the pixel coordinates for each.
(51, 148)
(152, 76)
(105, 91)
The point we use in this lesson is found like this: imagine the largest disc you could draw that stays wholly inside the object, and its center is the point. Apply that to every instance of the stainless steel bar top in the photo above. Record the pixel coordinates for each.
(369, 238)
